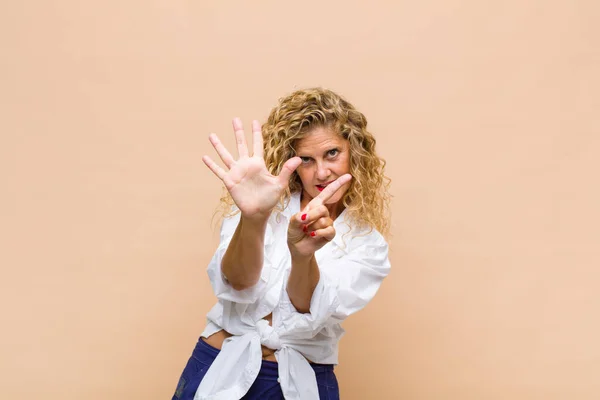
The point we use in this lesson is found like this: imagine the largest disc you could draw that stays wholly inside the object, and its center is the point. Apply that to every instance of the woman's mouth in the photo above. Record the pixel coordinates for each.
(323, 186)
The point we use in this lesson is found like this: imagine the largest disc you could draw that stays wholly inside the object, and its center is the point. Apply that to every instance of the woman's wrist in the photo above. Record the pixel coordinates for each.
(301, 259)
(255, 223)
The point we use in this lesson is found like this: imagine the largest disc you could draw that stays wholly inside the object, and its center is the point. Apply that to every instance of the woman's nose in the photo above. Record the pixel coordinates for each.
(322, 172)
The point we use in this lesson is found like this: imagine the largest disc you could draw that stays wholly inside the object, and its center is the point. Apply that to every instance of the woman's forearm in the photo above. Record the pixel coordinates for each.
(302, 282)
(243, 260)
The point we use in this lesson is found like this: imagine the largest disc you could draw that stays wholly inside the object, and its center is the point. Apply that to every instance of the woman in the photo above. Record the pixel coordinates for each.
(301, 249)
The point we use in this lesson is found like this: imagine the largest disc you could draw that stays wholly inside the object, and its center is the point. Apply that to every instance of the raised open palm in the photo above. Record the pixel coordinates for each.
(252, 187)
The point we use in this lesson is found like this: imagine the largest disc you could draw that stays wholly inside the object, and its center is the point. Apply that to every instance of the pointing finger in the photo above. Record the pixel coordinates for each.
(330, 190)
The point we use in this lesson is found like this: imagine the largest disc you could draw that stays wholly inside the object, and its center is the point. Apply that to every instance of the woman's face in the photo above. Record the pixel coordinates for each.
(325, 157)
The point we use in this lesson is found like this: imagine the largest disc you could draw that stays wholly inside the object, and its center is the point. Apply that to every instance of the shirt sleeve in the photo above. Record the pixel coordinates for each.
(346, 285)
(221, 287)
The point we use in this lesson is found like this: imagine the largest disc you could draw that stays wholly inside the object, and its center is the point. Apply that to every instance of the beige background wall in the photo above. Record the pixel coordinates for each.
(487, 113)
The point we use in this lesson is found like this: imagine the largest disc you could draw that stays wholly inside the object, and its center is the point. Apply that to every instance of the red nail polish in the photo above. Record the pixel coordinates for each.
(303, 217)
(312, 234)
(305, 228)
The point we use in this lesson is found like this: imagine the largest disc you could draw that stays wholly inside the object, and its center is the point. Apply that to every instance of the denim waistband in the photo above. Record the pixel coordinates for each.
(205, 353)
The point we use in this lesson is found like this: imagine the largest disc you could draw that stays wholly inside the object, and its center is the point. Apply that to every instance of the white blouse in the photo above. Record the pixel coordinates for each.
(352, 267)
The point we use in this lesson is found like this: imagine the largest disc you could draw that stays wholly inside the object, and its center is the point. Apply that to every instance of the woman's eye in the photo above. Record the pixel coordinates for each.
(333, 152)
(305, 160)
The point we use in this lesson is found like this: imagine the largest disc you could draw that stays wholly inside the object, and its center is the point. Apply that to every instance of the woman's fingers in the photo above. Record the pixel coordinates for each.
(287, 170)
(240, 138)
(218, 171)
(311, 216)
(321, 223)
(221, 150)
(312, 224)
(257, 139)
(325, 233)
(330, 190)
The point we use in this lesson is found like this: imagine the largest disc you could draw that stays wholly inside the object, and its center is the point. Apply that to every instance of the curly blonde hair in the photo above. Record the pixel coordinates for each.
(367, 199)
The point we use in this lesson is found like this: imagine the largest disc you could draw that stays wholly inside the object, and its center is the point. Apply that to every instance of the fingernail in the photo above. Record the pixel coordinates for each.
(303, 217)
(305, 228)
(312, 234)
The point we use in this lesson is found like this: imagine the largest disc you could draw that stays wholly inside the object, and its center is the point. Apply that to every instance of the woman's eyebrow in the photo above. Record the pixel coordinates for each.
(300, 153)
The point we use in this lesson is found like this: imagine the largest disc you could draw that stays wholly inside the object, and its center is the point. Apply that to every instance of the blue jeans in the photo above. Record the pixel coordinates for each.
(265, 387)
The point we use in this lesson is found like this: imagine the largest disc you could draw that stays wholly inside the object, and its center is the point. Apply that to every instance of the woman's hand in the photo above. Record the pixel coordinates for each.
(253, 189)
(312, 228)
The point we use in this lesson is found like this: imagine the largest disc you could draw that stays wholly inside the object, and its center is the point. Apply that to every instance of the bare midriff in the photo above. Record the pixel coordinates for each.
(216, 340)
